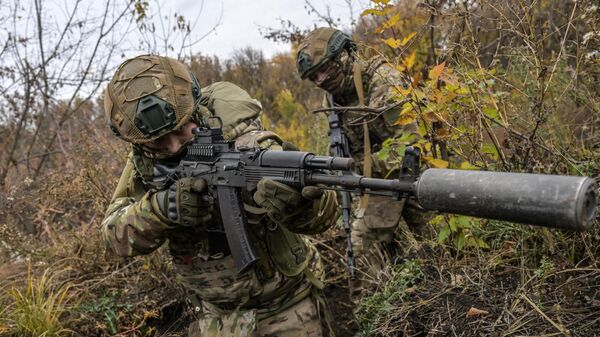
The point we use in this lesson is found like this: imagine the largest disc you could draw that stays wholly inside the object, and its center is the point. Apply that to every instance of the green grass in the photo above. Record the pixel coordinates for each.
(37, 309)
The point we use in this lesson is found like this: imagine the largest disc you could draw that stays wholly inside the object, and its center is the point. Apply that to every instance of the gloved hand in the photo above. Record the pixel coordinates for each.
(284, 203)
(185, 202)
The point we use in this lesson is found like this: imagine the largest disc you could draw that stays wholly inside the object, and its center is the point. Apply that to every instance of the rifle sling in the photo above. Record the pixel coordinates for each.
(367, 165)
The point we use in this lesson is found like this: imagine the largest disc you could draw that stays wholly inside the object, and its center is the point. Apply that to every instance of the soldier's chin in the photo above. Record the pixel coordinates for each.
(167, 155)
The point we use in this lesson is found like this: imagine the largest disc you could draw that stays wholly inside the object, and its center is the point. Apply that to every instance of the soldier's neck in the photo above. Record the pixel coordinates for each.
(346, 97)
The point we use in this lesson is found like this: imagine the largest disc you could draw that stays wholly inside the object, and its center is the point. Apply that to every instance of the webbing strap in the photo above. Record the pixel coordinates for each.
(367, 165)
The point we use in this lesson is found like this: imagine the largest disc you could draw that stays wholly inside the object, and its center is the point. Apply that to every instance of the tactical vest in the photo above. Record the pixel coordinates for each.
(278, 248)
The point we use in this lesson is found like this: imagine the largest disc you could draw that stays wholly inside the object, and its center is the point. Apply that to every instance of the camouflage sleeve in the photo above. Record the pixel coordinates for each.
(318, 218)
(131, 225)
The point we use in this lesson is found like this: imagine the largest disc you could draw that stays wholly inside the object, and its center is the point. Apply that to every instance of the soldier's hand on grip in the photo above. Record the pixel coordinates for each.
(185, 202)
(284, 202)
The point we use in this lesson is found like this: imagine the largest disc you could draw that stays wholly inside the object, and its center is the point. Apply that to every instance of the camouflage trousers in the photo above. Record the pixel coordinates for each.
(375, 236)
(303, 319)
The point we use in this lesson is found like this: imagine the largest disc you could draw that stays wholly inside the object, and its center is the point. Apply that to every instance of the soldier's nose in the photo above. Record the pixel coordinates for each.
(319, 76)
(173, 143)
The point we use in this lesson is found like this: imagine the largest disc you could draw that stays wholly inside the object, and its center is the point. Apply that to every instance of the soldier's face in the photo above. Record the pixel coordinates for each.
(323, 73)
(329, 77)
(173, 142)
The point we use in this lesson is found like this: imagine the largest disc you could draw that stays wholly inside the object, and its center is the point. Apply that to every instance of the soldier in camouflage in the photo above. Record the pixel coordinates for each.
(154, 103)
(328, 58)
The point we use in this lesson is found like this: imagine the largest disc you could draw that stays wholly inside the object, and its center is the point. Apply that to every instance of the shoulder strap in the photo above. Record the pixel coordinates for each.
(367, 165)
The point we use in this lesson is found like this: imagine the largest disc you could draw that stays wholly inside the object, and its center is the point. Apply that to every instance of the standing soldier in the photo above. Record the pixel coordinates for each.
(327, 57)
(154, 103)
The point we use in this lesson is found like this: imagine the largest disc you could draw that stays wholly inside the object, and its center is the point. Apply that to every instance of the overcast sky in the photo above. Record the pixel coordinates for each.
(241, 20)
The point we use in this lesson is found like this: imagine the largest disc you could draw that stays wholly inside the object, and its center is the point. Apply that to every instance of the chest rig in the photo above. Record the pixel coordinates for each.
(279, 249)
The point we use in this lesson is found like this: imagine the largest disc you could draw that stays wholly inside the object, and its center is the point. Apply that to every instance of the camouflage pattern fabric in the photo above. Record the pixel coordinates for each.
(302, 319)
(289, 268)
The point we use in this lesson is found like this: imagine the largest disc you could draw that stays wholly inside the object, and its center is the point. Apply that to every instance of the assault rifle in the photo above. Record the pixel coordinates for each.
(555, 201)
(339, 146)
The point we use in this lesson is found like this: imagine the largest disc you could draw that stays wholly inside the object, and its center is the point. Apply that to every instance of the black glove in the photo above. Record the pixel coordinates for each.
(185, 202)
(284, 202)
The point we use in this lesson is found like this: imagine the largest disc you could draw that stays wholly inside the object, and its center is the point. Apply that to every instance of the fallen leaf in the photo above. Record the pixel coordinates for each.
(474, 312)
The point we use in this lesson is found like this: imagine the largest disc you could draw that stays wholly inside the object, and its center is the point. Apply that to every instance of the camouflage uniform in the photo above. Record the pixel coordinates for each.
(280, 295)
(375, 227)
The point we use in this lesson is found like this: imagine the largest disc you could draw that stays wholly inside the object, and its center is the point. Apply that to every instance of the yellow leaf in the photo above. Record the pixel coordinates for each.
(437, 163)
(465, 165)
(400, 67)
(435, 73)
(392, 21)
(372, 12)
(402, 91)
(406, 119)
(421, 129)
(409, 61)
(381, 2)
(387, 9)
(428, 146)
(392, 42)
(407, 108)
(408, 38)
(462, 91)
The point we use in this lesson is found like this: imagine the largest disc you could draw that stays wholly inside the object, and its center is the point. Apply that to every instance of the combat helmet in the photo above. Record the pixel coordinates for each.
(320, 46)
(149, 96)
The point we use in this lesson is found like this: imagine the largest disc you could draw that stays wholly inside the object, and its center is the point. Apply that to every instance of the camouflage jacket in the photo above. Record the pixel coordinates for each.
(379, 80)
(289, 265)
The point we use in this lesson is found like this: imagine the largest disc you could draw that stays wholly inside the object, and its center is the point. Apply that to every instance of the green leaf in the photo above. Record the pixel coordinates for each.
(383, 154)
(436, 220)
(444, 234)
(491, 150)
(399, 150)
(491, 112)
(465, 165)
(453, 224)
(463, 221)
(462, 91)
(407, 138)
(459, 241)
